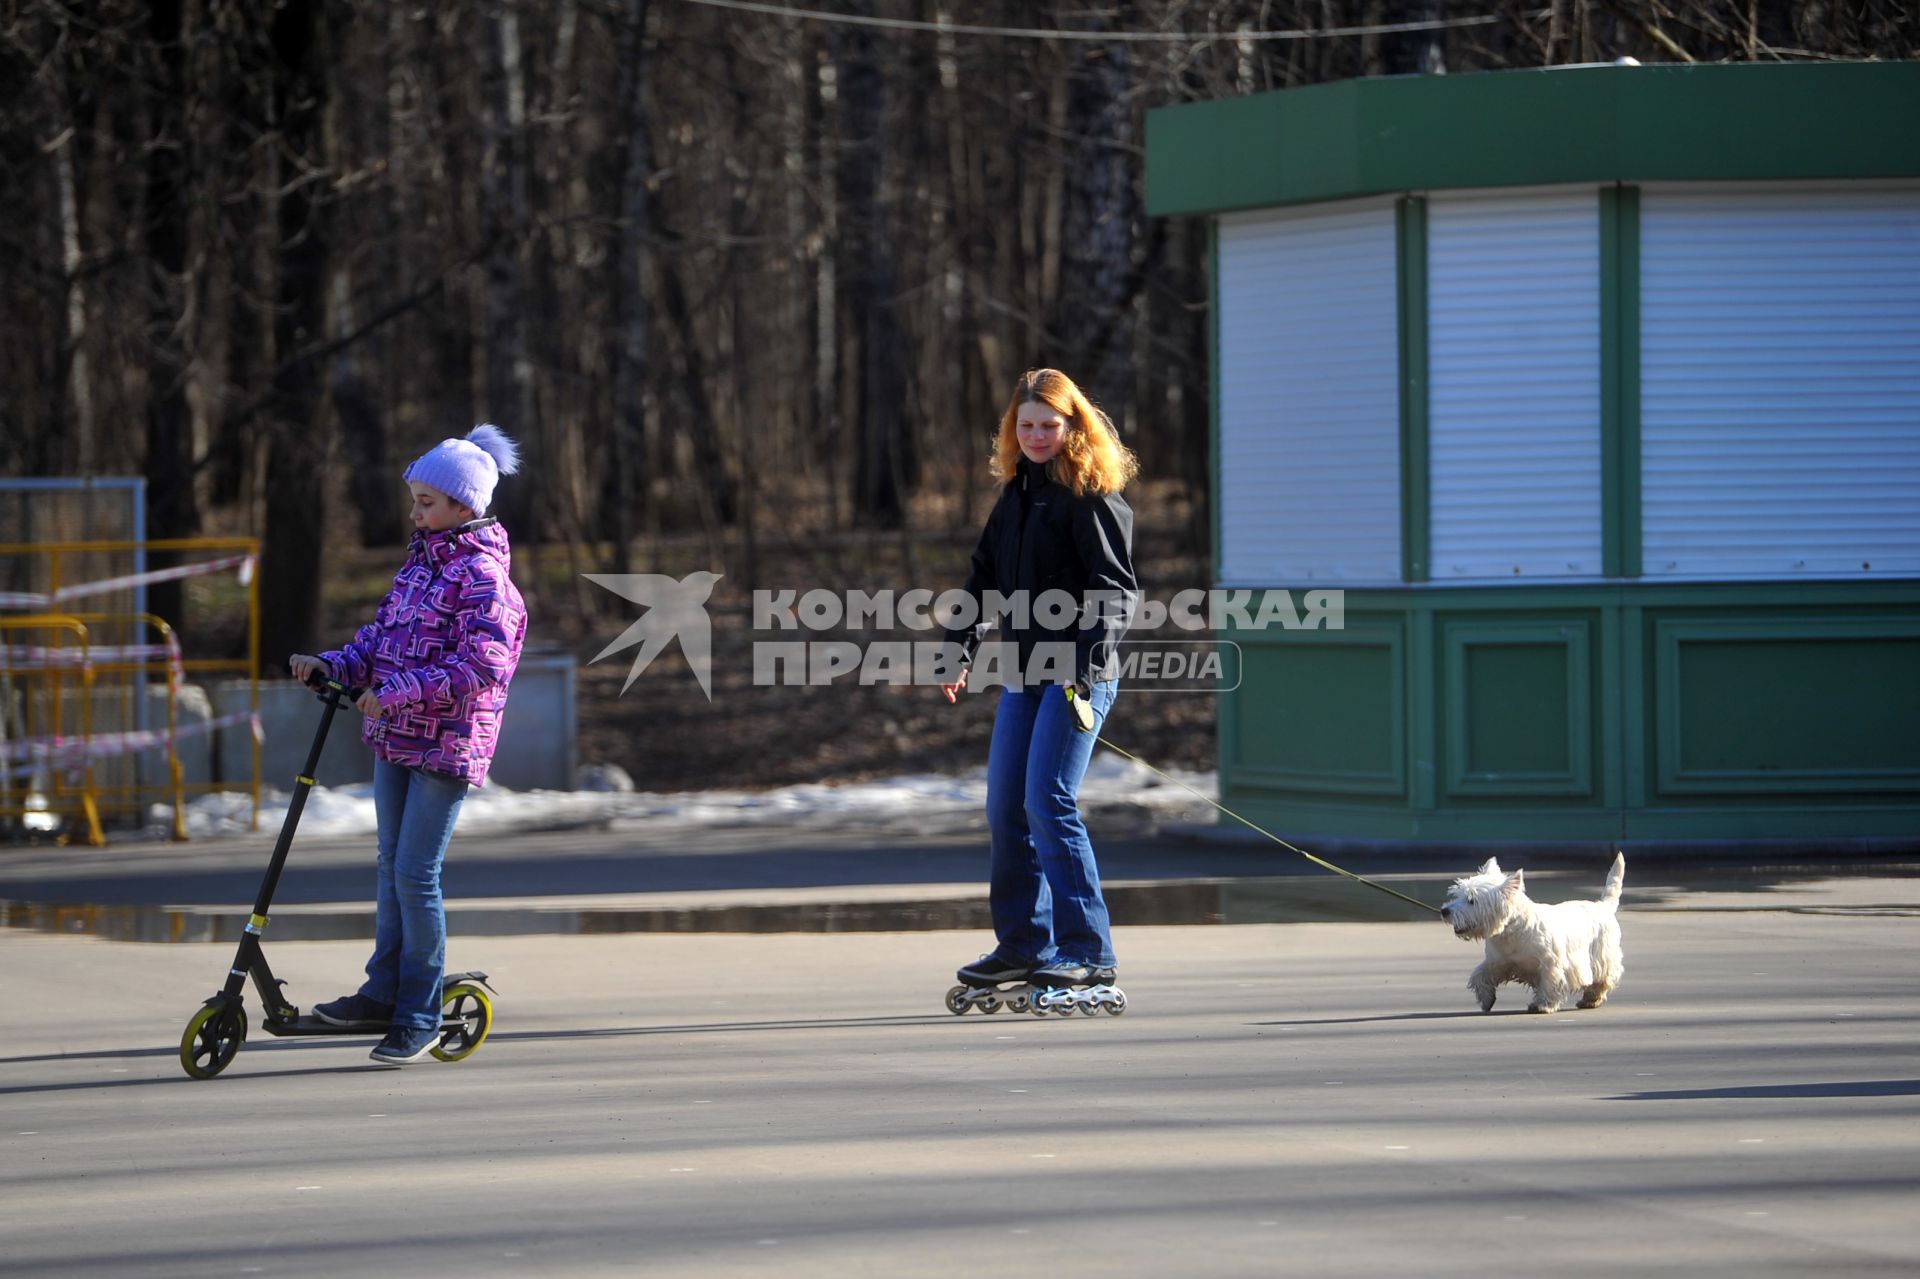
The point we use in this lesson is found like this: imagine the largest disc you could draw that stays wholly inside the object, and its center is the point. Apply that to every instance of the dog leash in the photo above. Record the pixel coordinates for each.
(1317, 861)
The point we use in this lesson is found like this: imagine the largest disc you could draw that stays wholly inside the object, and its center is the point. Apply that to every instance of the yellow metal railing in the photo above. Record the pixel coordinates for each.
(78, 653)
(43, 720)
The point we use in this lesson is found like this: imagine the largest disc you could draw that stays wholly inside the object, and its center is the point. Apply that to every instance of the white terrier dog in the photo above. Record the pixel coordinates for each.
(1556, 949)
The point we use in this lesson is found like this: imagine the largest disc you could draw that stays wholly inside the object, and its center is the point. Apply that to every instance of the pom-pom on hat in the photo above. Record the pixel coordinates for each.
(466, 470)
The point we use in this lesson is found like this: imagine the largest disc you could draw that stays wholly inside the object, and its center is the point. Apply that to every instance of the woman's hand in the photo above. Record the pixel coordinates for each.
(369, 704)
(953, 690)
(305, 668)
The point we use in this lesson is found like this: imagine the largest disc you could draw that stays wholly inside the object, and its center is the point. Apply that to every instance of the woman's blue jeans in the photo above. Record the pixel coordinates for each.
(414, 812)
(1044, 887)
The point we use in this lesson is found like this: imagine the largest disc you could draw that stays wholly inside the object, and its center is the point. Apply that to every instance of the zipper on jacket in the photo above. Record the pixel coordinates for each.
(1020, 565)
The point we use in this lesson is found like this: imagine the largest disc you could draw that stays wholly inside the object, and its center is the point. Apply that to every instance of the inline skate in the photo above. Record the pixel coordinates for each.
(990, 983)
(1065, 987)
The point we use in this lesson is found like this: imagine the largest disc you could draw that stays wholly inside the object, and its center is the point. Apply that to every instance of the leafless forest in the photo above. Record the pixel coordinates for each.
(745, 274)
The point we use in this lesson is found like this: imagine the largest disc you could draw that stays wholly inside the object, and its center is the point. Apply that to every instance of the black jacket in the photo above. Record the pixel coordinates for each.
(1040, 537)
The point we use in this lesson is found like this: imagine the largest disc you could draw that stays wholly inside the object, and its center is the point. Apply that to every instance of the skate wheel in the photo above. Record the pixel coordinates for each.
(213, 1036)
(466, 1015)
(1019, 1004)
(957, 1000)
(1089, 1008)
(1119, 1004)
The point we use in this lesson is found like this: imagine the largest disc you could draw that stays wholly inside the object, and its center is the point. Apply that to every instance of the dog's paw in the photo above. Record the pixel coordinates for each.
(1542, 1008)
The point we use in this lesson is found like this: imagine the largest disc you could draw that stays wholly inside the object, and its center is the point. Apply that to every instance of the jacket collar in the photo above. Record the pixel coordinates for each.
(483, 536)
(1031, 475)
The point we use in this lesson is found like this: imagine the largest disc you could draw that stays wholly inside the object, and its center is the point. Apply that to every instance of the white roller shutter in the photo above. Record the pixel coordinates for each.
(1780, 376)
(1309, 396)
(1513, 363)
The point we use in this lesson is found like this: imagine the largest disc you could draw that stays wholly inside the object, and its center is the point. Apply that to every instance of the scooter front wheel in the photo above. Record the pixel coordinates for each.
(213, 1036)
(468, 1006)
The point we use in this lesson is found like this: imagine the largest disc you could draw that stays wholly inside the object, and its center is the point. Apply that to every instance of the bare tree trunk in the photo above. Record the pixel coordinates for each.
(295, 491)
(363, 433)
(742, 356)
(507, 216)
(828, 431)
(1093, 315)
(713, 489)
(869, 323)
(79, 391)
(633, 232)
(171, 510)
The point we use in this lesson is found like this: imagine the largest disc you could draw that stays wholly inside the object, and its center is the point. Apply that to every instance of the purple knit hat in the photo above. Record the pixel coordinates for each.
(466, 470)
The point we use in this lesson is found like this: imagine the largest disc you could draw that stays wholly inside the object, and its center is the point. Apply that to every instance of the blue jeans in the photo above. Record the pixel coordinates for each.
(1044, 887)
(414, 812)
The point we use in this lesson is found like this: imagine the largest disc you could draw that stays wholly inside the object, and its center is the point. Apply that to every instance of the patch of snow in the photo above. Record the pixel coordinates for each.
(607, 798)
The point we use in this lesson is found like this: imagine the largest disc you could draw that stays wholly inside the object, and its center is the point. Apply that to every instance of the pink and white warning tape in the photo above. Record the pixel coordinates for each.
(82, 590)
(71, 753)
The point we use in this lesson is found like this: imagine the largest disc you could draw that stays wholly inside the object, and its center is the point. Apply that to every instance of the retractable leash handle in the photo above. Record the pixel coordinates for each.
(1082, 709)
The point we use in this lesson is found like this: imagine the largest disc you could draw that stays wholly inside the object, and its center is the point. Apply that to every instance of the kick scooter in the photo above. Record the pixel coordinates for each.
(217, 1031)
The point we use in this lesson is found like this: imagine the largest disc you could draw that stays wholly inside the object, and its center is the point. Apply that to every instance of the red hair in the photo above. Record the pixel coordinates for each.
(1091, 458)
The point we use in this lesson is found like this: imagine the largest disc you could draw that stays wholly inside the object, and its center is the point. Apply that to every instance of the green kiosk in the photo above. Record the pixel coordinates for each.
(1597, 392)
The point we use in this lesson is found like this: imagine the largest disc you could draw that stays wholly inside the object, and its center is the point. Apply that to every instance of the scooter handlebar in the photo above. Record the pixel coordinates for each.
(325, 685)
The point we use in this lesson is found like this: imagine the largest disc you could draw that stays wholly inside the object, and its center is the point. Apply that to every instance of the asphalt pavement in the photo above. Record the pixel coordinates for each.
(1279, 1098)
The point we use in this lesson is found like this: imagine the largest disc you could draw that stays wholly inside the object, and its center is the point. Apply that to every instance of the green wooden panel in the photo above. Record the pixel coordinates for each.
(1626, 709)
(1790, 121)
(1310, 824)
(1801, 704)
(1518, 708)
(1719, 711)
(1423, 719)
(1329, 711)
(1893, 598)
(1516, 719)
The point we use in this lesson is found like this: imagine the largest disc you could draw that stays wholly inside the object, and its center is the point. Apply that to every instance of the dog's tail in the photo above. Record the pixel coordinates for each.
(1615, 878)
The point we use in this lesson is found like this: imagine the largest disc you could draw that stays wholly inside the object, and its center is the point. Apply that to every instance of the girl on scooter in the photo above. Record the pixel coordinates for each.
(435, 663)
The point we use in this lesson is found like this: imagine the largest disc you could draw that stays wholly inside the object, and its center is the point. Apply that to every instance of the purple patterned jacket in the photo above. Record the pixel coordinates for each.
(440, 652)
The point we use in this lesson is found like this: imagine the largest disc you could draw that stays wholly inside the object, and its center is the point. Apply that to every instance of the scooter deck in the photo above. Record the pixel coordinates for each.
(309, 1025)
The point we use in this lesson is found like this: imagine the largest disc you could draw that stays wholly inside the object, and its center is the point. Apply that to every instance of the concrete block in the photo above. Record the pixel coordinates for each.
(536, 750)
(289, 716)
(537, 738)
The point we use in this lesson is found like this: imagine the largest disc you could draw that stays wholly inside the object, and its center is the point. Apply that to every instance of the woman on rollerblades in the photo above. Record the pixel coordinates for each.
(1059, 525)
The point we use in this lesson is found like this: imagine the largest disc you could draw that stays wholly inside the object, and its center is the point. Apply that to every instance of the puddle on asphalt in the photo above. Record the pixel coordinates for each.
(1249, 901)
(1282, 900)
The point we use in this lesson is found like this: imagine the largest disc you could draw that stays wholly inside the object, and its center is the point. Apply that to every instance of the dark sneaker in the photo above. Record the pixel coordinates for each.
(1071, 972)
(991, 970)
(356, 1012)
(405, 1045)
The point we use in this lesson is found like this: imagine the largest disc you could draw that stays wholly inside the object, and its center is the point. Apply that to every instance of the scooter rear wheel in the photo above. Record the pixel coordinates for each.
(213, 1036)
(469, 1005)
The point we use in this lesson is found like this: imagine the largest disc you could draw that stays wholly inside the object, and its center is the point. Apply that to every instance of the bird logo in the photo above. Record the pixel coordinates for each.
(675, 608)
